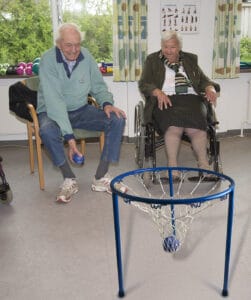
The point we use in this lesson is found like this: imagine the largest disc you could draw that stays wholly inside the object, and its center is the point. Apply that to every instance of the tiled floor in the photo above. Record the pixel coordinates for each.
(67, 252)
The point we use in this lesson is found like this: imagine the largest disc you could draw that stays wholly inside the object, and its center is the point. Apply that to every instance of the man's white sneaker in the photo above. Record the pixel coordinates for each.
(103, 185)
(67, 189)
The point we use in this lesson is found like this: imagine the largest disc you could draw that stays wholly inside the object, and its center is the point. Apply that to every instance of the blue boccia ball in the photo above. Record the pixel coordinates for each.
(78, 159)
(171, 244)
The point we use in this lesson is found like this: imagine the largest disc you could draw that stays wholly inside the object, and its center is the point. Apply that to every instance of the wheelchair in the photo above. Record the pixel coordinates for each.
(6, 195)
(148, 141)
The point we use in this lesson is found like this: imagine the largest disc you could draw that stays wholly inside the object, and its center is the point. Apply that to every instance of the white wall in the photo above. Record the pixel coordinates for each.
(232, 105)
(10, 127)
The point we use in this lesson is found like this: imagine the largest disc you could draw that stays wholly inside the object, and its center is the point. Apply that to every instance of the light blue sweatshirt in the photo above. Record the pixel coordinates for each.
(61, 91)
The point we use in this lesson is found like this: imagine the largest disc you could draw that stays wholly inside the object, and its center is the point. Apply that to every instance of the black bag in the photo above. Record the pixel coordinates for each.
(19, 96)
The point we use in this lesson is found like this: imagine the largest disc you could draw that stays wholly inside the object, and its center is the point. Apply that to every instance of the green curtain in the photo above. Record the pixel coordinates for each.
(129, 39)
(227, 35)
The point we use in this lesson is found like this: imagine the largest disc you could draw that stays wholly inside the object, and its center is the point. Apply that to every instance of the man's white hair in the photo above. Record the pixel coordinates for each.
(66, 26)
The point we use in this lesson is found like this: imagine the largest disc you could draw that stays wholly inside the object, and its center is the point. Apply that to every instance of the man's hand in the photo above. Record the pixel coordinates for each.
(119, 113)
(73, 149)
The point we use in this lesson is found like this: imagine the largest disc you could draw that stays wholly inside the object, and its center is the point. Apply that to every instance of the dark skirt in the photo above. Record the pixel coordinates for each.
(188, 111)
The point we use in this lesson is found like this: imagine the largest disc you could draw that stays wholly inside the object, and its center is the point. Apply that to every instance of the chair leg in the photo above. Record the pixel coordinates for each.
(30, 145)
(40, 161)
(82, 146)
(102, 141)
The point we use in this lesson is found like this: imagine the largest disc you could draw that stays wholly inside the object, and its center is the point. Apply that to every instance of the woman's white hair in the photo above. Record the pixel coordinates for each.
(171, 34)
(66, 26)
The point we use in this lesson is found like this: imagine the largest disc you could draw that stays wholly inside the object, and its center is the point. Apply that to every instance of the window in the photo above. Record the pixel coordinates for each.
(94, 17)
(245, 44)
(27, 28)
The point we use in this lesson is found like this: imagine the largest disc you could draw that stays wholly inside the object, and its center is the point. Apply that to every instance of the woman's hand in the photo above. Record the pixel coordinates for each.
(163, 100)
(211, 94)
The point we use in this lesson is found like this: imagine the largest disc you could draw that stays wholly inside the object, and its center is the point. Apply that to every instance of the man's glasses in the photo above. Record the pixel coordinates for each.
(70, 45)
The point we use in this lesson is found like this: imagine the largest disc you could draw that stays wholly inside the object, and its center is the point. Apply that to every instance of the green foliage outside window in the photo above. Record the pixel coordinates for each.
(95, 21)
(26, 30)
(245, 50)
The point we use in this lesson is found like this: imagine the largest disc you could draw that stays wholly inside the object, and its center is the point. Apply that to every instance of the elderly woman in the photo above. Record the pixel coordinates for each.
(176, 91)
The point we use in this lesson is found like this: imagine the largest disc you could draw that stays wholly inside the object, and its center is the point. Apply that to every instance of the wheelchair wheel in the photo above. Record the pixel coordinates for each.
(6, 195)
(213, 151)
(139, 133)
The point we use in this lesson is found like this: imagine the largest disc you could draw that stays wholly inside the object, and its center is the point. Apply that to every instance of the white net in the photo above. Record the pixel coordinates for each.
(173, 203)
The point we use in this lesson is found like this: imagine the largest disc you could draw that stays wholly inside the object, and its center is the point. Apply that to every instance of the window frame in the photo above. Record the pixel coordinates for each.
(245, 67)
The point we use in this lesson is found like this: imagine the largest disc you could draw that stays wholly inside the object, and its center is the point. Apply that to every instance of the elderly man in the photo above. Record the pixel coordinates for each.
(68, 73)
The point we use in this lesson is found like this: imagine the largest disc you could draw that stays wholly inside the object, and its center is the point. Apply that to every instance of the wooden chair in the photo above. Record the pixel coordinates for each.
(33, 134)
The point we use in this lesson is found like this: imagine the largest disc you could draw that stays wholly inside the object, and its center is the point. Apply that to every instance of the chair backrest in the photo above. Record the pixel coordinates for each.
(32, 83)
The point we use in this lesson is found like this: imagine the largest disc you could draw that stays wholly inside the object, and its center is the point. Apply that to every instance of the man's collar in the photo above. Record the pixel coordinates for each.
(60, 58)
(68, 68)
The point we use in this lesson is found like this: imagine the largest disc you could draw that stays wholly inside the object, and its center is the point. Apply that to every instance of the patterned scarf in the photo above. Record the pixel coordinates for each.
(181, 82)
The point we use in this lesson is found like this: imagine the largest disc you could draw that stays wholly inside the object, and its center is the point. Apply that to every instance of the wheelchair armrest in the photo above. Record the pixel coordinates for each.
(92, 101)
(211, 115)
